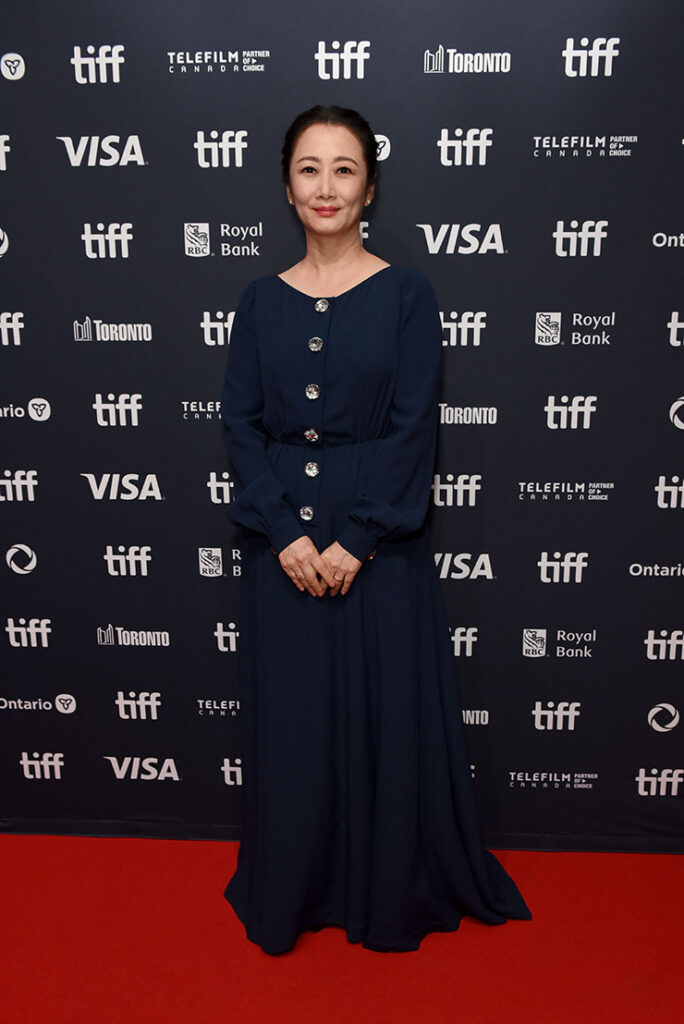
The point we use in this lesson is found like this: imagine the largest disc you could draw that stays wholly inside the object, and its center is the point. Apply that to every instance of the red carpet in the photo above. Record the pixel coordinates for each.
(136, 931)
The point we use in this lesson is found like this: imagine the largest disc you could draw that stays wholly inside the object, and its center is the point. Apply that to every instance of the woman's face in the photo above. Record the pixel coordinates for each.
(328, 179)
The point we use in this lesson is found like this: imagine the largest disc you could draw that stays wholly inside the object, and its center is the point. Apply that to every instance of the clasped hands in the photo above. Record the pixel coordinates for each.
(333, 569)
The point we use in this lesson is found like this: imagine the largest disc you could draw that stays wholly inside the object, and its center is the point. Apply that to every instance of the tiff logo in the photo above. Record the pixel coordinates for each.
(561, 416)
(669, 647)
(18, 486)
(226, 638)
(461, 151)
(591, 231)
(601, 51)
(135, 706)
(232, 773)
(464, 330)
(464, 639)
(90, 70)
(107, 243)
(353, 56)
(664, 783)
(214, 153)
(670, 495)
(33, 633)
(41, 766)
(675, 325)
(448, 493)
(220, 491)
(128, 560)
(115, 411)
(4, 150)
(11, 326)
(556, 716)
(567, 568)
(216, 332)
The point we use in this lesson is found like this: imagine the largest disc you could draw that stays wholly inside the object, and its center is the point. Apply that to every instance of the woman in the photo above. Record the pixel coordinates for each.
(358, 808)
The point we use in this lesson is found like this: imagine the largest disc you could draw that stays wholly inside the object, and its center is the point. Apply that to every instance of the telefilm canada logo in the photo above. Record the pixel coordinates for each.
(574, 147)
(552, 780)
(451, 61)
(210, 707)
(588, 329)
(197, 62)
(565, 490)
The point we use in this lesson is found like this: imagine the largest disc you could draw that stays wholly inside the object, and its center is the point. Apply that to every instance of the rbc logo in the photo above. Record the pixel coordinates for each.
(602, 51)
(89, 70)
(591, 231)
(547, 328)
(108, 242)
(561, 416)
(567, 568)
(354, 55)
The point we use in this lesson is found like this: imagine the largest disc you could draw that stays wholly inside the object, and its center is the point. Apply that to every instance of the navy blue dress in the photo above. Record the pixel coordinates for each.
(358, 807)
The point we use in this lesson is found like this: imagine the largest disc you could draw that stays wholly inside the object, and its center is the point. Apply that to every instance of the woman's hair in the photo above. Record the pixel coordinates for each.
(350, 119)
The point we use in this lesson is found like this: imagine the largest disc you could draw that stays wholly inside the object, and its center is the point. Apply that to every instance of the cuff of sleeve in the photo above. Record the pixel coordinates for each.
(284, 533)
(357, 541)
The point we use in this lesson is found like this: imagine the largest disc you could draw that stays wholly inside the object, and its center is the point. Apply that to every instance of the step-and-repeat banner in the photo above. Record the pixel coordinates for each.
(530, 165)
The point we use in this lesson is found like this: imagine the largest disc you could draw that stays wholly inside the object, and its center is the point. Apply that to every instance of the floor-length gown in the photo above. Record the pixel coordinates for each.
(358, 806)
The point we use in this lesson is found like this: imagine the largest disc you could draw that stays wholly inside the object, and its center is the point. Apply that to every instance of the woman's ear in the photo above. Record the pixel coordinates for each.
(288, 193)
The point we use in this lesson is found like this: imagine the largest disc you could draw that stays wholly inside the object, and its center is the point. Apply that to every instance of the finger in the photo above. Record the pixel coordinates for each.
(324, 569)
(348, 580)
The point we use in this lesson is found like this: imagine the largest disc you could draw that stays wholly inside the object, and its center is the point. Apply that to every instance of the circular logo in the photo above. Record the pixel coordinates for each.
(4, 242)
(676, 410)
(657, 713)
(39, 409)
(384, 146)
(65, 703)
(12, 66)
(21, 559)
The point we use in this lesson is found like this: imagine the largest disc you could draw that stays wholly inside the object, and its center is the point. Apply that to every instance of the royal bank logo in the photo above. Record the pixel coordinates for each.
(665, 782)
(552, 780)
(117, 410)
(663, 717)
(562, 568)
(210, 562)
(98, 67)
(21, 559)
(28, 632)
(583, 239)
(465, 240)
(144, 769)
(582, 146)
(669, 494)
(556, 716)
(11, 326)
(467, 146)
(342, 60)
(63, 703)
(123, 486)
(534, 642)
(4, 150)
(12, 66)
(455, 62)
(216, 331)
(197, 239)
(38, 409)
(220, 490)
(226, 637)
(103, 151)
(593, 58)
(183, 62)
(449, 491)
(463, 640)
(565, 490)
(674, 326)
(463, 329)
(47, 766)
(100, 330)
(547, 328)
(107, 241)
(232, 771)
(220, 149)
(464, 566)
(124, 636)
(677, 413)
(565, 413)
(18, 485)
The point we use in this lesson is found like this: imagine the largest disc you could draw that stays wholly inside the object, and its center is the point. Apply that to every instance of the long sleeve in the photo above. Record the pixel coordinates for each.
(396, 486)
(259, 502)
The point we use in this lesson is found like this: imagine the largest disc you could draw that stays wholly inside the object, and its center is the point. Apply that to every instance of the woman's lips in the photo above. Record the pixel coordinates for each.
(325, 211)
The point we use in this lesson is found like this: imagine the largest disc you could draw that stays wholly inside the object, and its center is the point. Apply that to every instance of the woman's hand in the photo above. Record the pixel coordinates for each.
(342, 568)
(303, 564)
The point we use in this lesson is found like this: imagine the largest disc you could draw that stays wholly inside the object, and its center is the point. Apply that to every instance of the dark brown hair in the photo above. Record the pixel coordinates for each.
(344, 116)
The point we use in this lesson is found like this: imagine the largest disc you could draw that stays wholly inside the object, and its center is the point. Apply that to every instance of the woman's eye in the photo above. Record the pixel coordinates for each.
(345, 170)
(305, 170)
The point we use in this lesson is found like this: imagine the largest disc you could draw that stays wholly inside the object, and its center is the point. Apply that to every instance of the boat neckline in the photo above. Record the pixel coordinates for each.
(341, 294)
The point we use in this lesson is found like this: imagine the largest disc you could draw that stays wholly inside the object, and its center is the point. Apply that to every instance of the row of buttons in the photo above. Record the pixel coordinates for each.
(313, 391)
